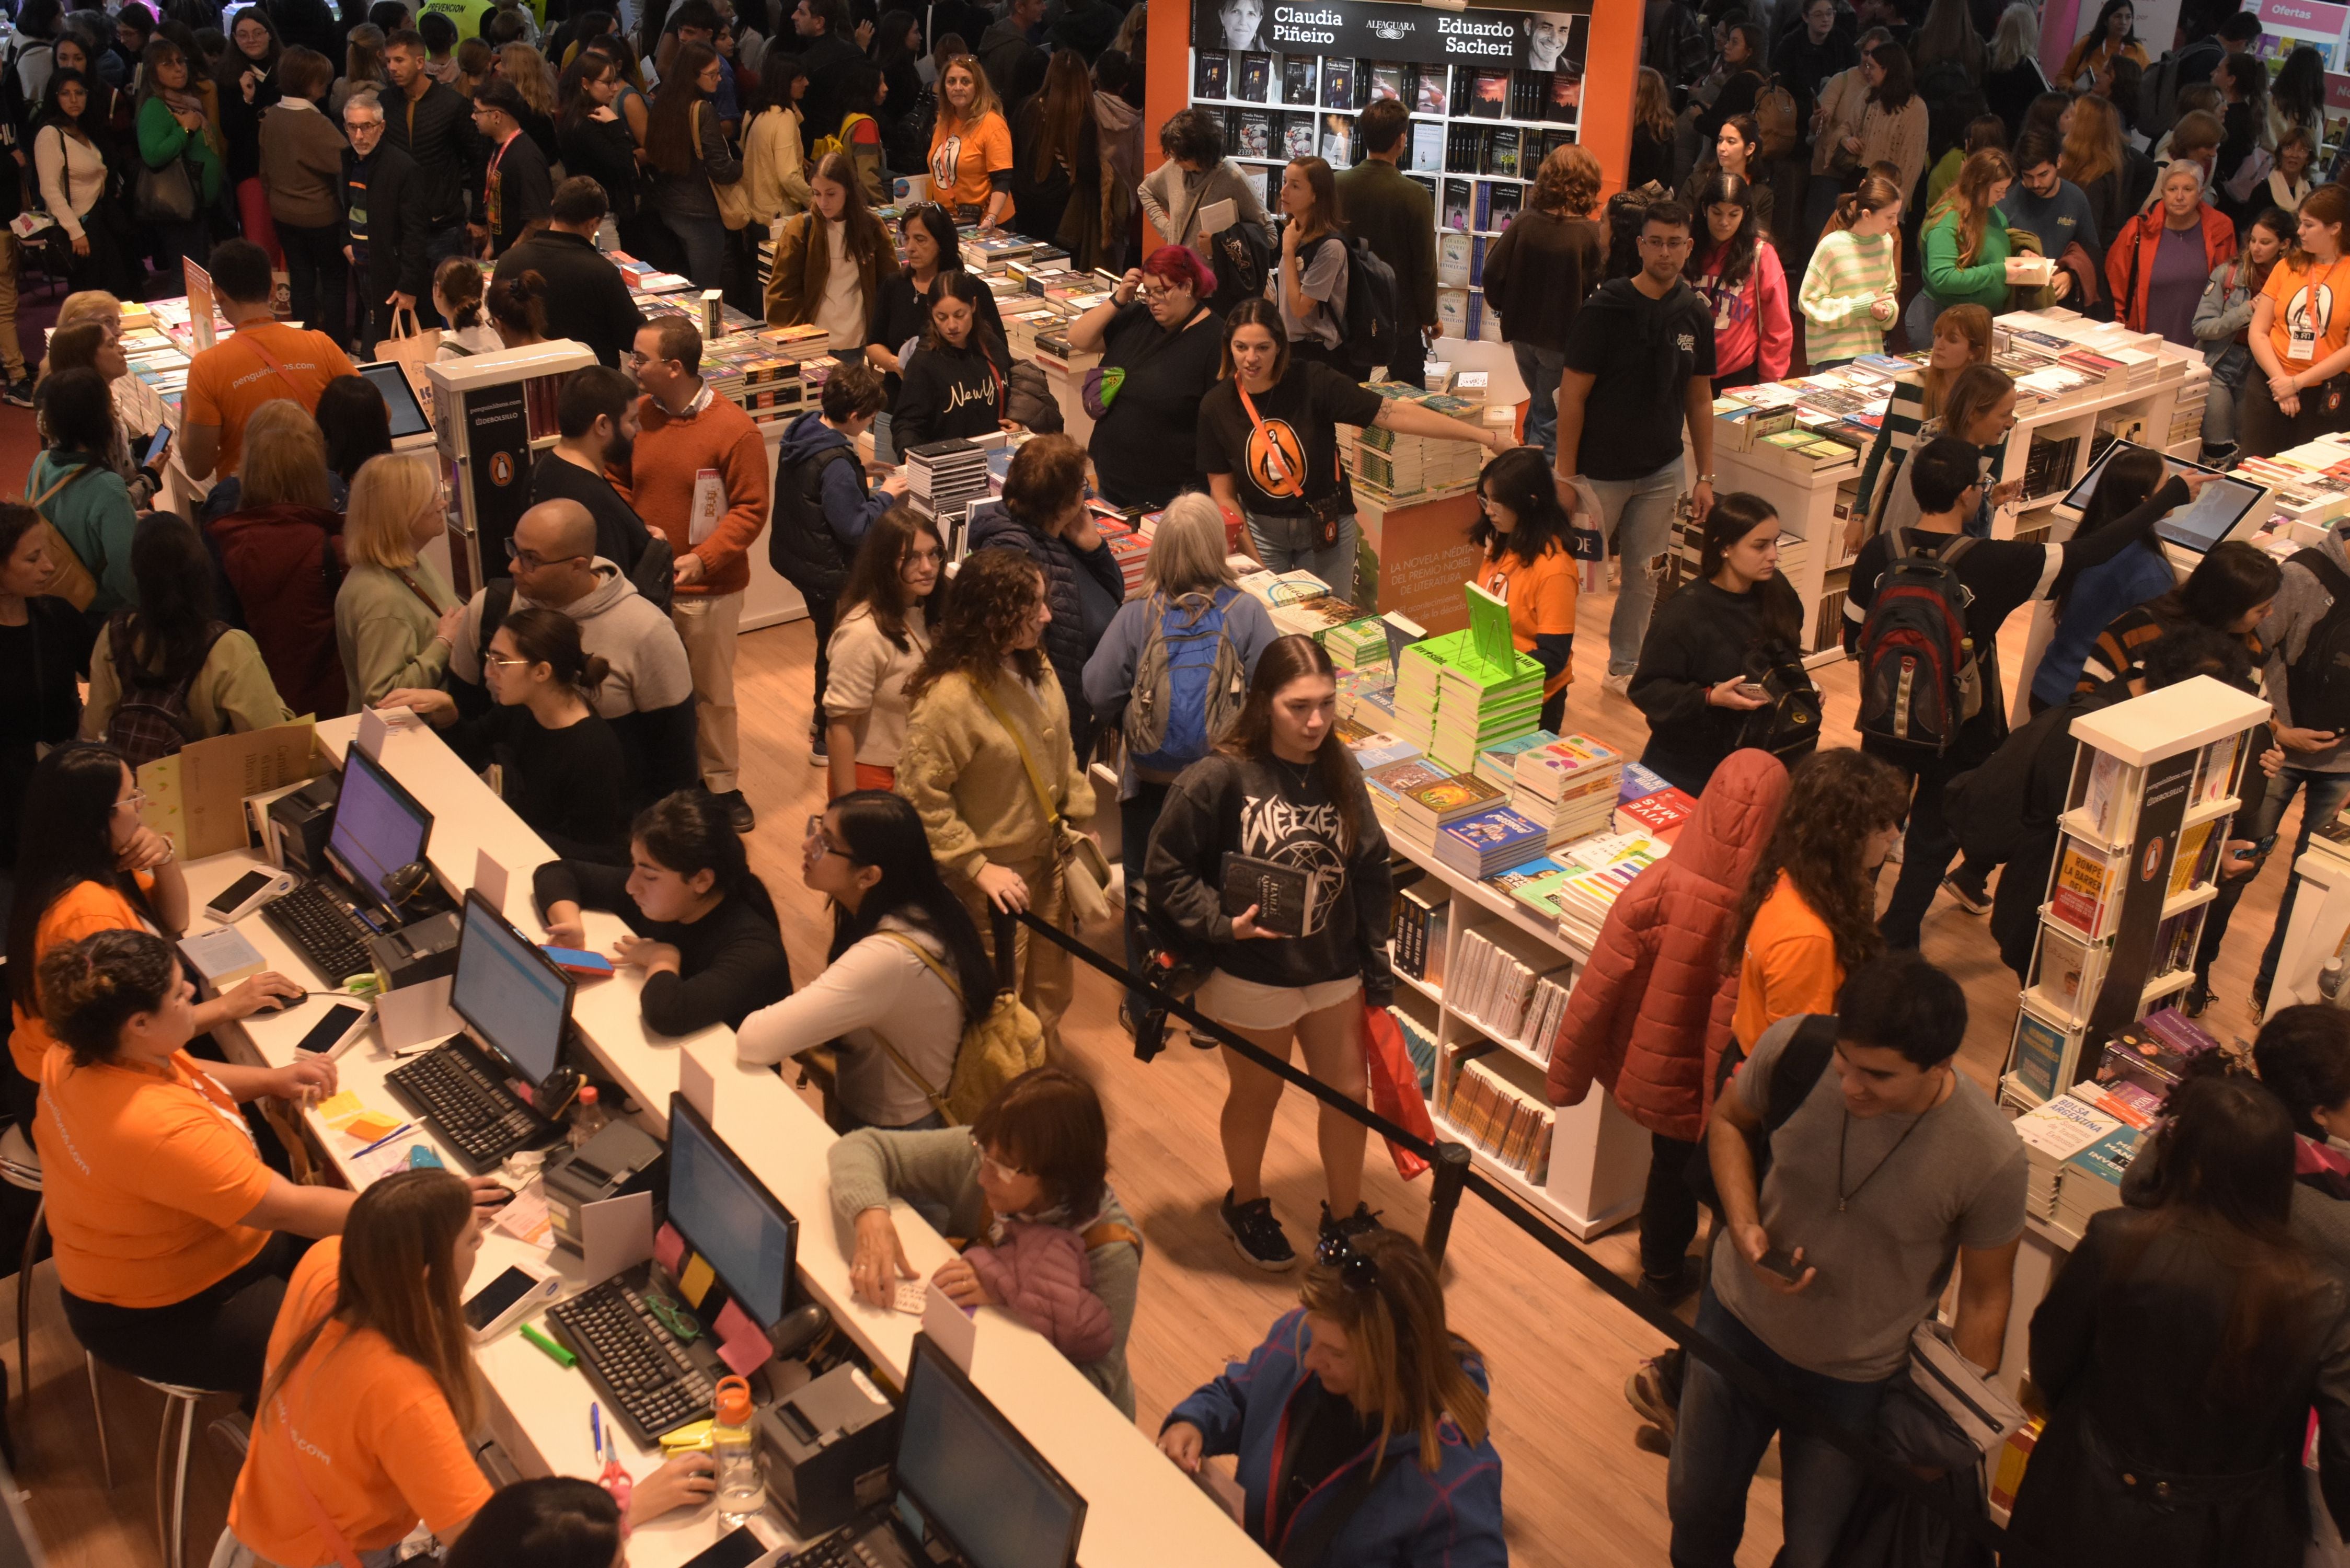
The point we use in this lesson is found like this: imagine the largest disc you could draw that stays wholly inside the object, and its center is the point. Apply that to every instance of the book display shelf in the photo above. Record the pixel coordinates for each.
(1489, 93)
(493, 413)
(2156, 781)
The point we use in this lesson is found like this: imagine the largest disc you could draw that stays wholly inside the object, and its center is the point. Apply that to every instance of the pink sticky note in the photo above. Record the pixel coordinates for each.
(743, 1344)
(669, 1250)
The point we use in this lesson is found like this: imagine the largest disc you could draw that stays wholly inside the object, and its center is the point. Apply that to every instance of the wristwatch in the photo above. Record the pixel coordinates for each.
(1705, 479)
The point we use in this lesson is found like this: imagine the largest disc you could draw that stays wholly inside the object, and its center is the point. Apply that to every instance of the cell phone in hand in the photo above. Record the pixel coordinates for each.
(1782, 1263)
(1753, 688)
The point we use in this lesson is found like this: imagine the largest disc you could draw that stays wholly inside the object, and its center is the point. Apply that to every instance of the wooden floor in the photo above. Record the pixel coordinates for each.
(1575, 1488)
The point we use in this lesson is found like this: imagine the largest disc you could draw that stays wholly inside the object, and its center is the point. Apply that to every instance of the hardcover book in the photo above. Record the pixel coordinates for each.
(1457, 202)
(1281, 894)
(1337, 84)
(1386, 81)
(1489, 95)
(1256, 77)
(1430, 86)
(1502, 145)
(1298, 80)
(1256, 134)
(1212, 74)
(1428, 148)
(1297, 135)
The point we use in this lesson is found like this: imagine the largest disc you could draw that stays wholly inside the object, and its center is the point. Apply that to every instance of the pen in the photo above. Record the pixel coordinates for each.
(596, 1427)
(404, 1126)
(555, 1352)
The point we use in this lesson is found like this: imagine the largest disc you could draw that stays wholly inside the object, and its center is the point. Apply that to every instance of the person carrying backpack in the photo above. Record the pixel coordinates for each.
(1172, 672)
(1922, 621)
(1311, 277)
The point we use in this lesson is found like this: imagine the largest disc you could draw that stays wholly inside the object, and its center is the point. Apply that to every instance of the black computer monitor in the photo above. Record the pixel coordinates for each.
(513, 997)
(728, 1216)
(390, 380)
(379, 827)
(976, 1480)
(2202, 523)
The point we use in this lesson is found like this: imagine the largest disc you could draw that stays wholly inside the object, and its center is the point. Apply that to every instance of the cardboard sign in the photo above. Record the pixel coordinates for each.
(195, 797)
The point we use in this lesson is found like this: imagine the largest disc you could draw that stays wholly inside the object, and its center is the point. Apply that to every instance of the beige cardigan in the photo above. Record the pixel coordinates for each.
(964, 776)
(773, 173)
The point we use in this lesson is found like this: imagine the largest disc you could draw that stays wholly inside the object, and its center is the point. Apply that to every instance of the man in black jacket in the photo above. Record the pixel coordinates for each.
(824, 49)
(517, 187)
(435, 126)
(1395, 217)
(587, 298)
(384, 210)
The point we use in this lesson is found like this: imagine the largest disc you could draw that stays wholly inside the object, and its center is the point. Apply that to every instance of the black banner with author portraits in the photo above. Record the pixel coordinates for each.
(1553, 39)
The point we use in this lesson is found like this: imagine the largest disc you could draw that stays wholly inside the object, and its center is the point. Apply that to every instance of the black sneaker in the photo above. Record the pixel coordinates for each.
(818, 755)
(2260, 1003)
(1674, 1288)
(1361, 1222)
(738, 811)
(1972, 897)
(1257, 1235)
(2196, 997)
(17, 393)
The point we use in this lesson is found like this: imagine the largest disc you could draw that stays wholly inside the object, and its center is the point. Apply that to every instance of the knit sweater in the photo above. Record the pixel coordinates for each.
(302, 164)
(714, 432)
(1847, 276)
(388, 637)
(963, 774)
(1984, 282)
(232, 693)
(1896, 435)
(1171, 196)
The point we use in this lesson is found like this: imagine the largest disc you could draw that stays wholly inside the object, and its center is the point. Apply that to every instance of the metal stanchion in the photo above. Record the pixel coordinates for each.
(1452, 1178)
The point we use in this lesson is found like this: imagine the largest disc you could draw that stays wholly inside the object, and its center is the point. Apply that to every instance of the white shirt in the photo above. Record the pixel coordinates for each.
(841, 311)
(876, 988)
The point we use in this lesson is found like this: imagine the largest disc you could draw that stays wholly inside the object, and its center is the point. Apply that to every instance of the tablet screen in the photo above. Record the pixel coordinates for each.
(390, 379)
(2198, 525)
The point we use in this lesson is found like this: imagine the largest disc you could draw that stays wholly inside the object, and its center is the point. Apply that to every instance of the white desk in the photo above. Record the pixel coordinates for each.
(1141, 1510)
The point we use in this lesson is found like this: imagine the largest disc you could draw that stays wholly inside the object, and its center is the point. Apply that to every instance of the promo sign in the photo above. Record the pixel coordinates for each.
(1549, 40)
(498, 450)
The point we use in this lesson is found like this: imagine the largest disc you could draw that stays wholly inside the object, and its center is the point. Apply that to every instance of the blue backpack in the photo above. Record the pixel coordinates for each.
(1190, 683)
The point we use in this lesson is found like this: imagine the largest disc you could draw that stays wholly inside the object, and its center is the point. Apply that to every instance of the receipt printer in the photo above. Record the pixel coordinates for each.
(619, 1160)
(421, 951)
(298, 824)
(827, 1451)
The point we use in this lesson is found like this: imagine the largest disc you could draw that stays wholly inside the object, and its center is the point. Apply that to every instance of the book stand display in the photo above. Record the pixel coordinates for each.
(491, 414)
(2155, 782)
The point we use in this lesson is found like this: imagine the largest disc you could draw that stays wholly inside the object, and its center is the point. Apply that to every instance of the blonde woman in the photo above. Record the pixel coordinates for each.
(1964, 244)
(2094, 161)
(2015, 78)
(970, 148)
(362, 69)
(396, 617)
(528, 69)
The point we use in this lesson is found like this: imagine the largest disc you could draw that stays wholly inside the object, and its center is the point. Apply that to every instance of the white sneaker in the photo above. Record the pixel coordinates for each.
(1619, 684)
(1893, 856)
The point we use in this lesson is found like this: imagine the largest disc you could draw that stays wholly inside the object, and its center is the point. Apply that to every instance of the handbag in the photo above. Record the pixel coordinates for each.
(1329, 511)
(164, 195)
(733, 200)
(1028, 400)
(70, 577)
(1395, 1086)
(412, 346)
(1085, 869)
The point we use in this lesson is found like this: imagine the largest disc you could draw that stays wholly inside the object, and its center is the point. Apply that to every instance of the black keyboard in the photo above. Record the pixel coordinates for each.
(330, 937)
(641, 1369)
(841, 1549)
(470, 1106)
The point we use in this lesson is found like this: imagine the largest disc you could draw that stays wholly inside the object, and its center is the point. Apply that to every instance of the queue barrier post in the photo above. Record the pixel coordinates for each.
(1452, 1179)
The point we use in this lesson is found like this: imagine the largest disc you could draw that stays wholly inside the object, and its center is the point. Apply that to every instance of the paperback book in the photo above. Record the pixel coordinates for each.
(1337, 83)
(1256, 77)
(1298, 80)
(1212, 74)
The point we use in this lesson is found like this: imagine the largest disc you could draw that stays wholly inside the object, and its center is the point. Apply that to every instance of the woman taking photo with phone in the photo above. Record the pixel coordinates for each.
(1282, 788)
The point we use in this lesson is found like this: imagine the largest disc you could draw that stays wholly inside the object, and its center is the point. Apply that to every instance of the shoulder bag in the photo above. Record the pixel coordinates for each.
(991, 1053)
(1326, 512)
(164, 195)
(733, 200)
(70, 579)
(1085, 870)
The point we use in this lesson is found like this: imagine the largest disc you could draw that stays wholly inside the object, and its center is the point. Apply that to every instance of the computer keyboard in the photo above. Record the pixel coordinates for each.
(472, 1109)
(841, 1549)
(639, 1365)
(330, 937)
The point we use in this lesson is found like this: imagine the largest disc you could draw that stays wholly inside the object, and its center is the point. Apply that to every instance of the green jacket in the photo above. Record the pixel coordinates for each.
(386, 635)
(1384, 209)
(870, 1165)
(1985, 282)
(94, 514)
(161, 139)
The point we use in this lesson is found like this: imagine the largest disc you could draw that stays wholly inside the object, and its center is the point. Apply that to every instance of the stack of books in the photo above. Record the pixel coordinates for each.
(1358, 645)
(2090, 1180)
(1423, 912)
(1416, 688)
(1505, 1121)
(944, 477)
(1570, 786)
(1423, 812)
(1498, 973)
(1479, 705)
(1395, 469)
(1498, 765)
(1487, 842)
(2053, 1134)
(1389, 782)
(1660, 815)
(1599, 869)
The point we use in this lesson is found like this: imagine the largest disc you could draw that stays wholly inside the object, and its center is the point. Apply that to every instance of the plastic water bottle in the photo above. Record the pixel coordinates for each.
(741, 1493)
(588, 1117)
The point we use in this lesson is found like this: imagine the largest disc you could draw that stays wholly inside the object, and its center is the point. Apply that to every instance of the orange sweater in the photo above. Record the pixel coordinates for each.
(672, 449)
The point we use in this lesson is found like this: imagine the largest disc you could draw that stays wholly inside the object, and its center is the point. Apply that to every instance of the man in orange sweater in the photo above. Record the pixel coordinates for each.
(700, 476)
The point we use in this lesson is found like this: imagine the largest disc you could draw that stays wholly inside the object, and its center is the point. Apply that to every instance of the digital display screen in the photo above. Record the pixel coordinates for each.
(390, 379)
(975, 1480)
(729, 1219)
(377, 828)
(2202, 523)
(515, 1001)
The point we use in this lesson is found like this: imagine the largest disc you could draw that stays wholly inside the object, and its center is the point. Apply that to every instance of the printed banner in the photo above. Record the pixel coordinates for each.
(1549, 40)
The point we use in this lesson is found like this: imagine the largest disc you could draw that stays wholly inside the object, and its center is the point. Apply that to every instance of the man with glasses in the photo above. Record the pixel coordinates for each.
(2046, 204)
(648, 697)
(389, 218)
(1640, 365)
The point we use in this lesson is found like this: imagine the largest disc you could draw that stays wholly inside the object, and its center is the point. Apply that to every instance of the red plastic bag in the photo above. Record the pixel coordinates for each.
(1395, 1086)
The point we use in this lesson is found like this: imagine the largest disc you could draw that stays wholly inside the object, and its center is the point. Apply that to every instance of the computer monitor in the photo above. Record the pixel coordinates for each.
(512, 995)
(976, 1480)
(2195, 527)
(379, 827)
(390, 379)
(728, 1216)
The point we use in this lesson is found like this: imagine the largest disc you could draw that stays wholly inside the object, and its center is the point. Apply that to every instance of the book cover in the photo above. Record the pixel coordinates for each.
(1386, 81)
(1256, 133)
(1256, 77)
(1505, 204)
(1489, 95)
(1338, 140)
(1337, 83)
(1489, 833)
(1281, 894)
(1298, 79)
(1456, 205)
(1481, 214)
(2039, 1054)
(1656, 815)
(1430, 86)
(1427, 147)
(1563, 102)
(1212, 74)
(1414, 773)
(1502, 144)
(1540, 895)
(2218, 766)
(1528, 89)
(2065, 966)
(2083, 883)
(2186, 858)
(1297, 132)
(1451, 798)
(1452, 260)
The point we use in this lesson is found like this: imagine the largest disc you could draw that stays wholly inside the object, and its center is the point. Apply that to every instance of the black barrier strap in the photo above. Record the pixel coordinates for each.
(1749, 1379)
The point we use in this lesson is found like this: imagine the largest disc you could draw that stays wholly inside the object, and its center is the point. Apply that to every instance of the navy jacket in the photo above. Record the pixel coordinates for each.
(1083, 588)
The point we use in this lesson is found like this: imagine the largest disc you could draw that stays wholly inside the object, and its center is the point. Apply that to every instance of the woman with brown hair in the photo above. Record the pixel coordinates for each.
(1309, 280)
(1964, 244)
(1537, 273)
(688, 152)
(878, 642)
(532, 78)
(954, 385)
(280, 551)
(988, 765)
(970, 148)
(2093, 159)
(1362, 1420)
(1892, 124)
(1281, 786)
(1652, 133)
(831, 260)
(1852, 284)
(1058, 151)
(517, 310)
(302, 168)
(1962, 338)
(1978, 411)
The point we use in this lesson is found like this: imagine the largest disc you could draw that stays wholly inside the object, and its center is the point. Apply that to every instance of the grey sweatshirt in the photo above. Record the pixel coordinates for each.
(2299, 605)
(870, 1167)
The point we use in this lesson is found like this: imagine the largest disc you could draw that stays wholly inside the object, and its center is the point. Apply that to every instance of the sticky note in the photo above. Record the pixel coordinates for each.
(370, 1126)
(694, 1282)
(743, 1344)
(669, 1250)
(691, 1436)
(346, 1103)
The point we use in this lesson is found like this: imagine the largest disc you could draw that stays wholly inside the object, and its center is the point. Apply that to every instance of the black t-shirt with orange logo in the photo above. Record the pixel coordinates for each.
(1294, 459)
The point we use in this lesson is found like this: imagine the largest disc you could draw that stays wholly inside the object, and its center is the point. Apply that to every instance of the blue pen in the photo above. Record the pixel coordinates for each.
(596, 1429)
(404, 1126)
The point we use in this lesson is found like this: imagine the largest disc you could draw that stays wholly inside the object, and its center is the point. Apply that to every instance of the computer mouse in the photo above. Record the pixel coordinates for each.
(287, 1003)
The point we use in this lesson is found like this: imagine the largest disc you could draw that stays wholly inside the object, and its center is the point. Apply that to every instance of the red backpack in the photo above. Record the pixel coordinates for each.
(1919, 677)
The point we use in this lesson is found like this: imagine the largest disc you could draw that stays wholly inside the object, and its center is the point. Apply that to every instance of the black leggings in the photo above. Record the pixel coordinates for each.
(217, 1339)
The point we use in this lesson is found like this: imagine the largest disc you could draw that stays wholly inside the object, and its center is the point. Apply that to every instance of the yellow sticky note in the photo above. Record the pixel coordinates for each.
(370, 1126)
(695, 1282)
(691, 1437)
(346, 1103)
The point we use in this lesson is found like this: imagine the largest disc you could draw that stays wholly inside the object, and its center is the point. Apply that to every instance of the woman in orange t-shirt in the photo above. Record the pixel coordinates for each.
(362, 1426)
(86, 864)
(970, 148)
(1809, 913)
(1522, 528)
(2299, 333)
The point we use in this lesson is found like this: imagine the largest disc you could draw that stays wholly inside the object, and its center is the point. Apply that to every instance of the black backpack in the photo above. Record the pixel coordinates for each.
(2318, 683)
(1789, 726)
(1371, 332)
(801, 546)
(1920, 673)
(1798, 1071)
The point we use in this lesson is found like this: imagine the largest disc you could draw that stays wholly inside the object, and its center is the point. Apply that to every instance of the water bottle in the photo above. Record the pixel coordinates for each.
(741, 1493)
(588, 1117)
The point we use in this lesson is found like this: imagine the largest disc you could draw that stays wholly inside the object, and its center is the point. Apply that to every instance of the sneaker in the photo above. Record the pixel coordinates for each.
(817, 756)
(738, 811)
(1654, 1440)
(2196, 997)
(1619, 684)
(2259, 1005)
(1654, 1397)
(1257, 1236)
(18, 393)
(1672, 1289)
(1973, 900)
(1361, 1222)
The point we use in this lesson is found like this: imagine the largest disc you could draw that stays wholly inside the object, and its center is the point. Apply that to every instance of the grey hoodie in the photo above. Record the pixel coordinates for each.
(649, 671)
(2301, 603)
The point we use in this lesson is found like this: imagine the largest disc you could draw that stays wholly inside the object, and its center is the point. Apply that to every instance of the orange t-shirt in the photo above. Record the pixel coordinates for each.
(373, 1439)
(1541, 596)
(2309, 304)
(1789, 966)
(146, 1175)
(963, 159)
(85, 910)
(228, 380)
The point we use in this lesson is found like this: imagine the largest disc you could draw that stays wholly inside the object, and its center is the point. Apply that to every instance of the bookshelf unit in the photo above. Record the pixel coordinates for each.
(493, 413)
(2156, 781)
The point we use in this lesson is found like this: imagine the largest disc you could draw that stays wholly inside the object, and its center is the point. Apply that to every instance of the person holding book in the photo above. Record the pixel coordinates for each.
(1281, 806)
(1852, 285)
(1194, 178)
(1523, 527)
(1962, 338)
(1964, 244)
(1696, 683)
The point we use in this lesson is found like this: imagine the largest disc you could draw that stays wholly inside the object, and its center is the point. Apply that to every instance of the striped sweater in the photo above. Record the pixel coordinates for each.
(1903, 416)
(1847, 275)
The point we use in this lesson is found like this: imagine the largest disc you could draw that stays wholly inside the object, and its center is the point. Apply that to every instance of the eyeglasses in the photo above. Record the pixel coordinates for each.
(503, 663)
(816, 831)
(1664, 242)
(1357, 1270)
(131, 801)
(531, 560)
(990, 1165)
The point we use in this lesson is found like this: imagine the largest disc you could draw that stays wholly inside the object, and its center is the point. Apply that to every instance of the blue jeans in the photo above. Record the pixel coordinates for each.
(1286, 545)
(1639, 512)
(1541, 368)
(1721, 1438)
(2219, 398)
(2325, 794)
(1134, 818)
(1919, 321)
(704, 239)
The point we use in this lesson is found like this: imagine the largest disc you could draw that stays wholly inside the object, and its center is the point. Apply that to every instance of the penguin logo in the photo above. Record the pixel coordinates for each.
(1276, 459)
(2311, 311)
(502, 469)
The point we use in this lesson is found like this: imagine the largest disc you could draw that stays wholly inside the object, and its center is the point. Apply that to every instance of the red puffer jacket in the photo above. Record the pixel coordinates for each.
(286, 563)
(1653, 1006)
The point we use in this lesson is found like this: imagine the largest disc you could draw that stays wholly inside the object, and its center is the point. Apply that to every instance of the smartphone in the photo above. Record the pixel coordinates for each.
(328, 1032)
(1782, 1263)
(494, 1299)
(157, 445)
(1753, 688)
(238, 893)
(579, 961)
(736, 1549)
